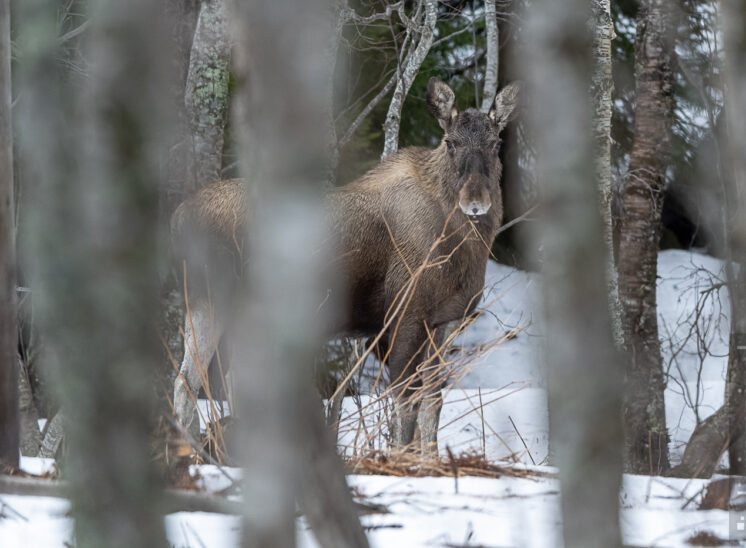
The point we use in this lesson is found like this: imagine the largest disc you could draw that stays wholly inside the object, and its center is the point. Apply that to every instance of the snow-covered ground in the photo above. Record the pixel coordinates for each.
(694, 323)
(422, 512)
(497, 404)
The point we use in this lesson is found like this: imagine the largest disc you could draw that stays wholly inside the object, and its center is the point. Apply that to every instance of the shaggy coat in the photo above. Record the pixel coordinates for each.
(439, 207)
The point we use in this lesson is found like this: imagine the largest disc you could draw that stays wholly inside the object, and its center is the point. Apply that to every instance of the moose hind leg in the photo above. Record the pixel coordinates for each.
(202, 333)
(434, 378)
(428, 421)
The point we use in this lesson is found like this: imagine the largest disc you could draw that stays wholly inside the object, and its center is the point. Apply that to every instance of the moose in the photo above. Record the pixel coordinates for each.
(419, 205)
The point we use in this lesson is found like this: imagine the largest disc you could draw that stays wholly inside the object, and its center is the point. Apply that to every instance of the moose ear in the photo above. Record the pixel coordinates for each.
(504, 109)
(442, 102)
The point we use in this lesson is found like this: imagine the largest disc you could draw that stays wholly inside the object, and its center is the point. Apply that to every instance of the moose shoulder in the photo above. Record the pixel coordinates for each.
(425, 213)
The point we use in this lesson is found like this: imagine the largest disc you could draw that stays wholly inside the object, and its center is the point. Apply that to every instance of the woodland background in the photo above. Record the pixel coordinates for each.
(630, 142)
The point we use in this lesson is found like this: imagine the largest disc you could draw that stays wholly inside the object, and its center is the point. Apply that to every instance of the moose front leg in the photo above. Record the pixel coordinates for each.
(434, 376)
(406, 351)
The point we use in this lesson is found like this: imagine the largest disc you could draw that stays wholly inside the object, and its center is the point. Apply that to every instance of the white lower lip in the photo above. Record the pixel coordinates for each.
(469, 210)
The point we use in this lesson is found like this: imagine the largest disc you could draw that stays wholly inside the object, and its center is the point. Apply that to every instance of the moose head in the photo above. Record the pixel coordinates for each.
(472, 144)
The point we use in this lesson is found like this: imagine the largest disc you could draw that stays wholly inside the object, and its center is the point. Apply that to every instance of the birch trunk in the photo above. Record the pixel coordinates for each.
(584, 371)
(279, 323)
(206, 95)
(53, 437)
(601, 89)
(411, 67)
(644, 414)
(30, 438)
(735, 99)
(9, 420)
(493, 57)
(735, 381)
(93, 241)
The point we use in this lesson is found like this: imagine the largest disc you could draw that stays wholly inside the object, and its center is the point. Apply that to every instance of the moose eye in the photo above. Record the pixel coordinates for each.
(450, 147)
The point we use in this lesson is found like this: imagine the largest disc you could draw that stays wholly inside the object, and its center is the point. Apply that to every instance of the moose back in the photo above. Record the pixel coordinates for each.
(412, 238)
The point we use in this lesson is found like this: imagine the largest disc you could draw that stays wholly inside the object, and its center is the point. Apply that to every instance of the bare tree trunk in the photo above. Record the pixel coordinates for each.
(9, 424)
(53, 437)
(584, 371)
(644, 415)
(601, 89)
(724, 430)
(206, 95)
(93, 240)
(181, 16)
(411, 67)
(323, 495)
(280, 116)
(493, 57)
(735, 100)
(30, 438)
(340, 14)
(735, 382)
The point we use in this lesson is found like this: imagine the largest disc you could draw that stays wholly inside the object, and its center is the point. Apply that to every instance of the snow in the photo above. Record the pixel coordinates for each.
(694, 327)
(422, 512)
(497, 403)
(694, 324)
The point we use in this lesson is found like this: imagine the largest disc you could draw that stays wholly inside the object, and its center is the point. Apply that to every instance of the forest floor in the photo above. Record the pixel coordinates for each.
(497, 408)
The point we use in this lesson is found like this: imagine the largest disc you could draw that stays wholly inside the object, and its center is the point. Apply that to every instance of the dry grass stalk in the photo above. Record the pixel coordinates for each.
(371, 424)
(404, 463)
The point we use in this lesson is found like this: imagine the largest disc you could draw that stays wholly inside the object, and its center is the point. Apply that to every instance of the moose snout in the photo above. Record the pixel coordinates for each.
(475, 208)
(474, 199)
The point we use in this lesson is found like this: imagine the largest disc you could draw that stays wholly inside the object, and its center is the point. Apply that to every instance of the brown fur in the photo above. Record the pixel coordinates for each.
(385, 225)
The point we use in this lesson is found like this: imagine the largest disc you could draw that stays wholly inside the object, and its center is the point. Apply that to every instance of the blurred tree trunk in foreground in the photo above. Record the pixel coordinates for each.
(96, 144)
(181, 17)
(200, 97)
(601, 90)
(9, 424)
(584, 370)
(725, 429)
(646, 436)
(734, 13)
(280, 325)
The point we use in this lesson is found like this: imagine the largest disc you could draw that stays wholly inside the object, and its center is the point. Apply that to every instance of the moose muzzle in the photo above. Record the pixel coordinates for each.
(474, 197)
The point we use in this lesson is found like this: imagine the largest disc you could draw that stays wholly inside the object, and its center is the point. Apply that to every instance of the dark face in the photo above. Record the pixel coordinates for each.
(472, 142)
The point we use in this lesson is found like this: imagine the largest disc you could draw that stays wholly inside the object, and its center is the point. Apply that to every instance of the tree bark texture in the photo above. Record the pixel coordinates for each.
(644, 413)
(53, 437)
(96, 146)
(601, 88)
(9, 418)
(30, 436)
(735, 382)
(279, 326)
(734, 13)
(206, 95)
(181, 17)
(412, 64)
(340, 14)
(493, 58)
(583, 368)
